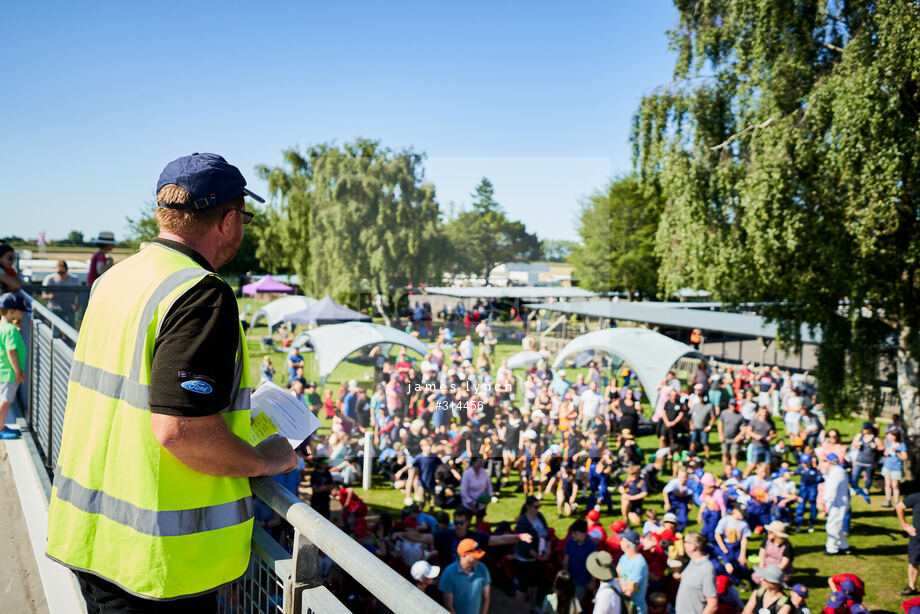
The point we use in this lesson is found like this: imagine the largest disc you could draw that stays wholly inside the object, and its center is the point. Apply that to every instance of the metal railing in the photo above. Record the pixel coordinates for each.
(277, 580)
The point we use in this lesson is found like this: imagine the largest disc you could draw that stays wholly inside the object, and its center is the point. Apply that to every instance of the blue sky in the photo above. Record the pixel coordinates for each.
(536, 96)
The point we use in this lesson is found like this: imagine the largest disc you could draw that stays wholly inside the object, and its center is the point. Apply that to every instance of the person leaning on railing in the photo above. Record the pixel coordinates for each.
(151, 505)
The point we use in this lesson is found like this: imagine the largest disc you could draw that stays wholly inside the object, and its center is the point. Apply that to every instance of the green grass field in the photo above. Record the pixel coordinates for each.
(880, 544)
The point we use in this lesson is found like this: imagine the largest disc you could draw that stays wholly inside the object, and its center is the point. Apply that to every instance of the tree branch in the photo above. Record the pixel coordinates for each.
(832, 47)
(737, 135)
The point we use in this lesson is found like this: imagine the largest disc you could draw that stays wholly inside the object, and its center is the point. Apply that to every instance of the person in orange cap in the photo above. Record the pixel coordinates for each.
(465, 583)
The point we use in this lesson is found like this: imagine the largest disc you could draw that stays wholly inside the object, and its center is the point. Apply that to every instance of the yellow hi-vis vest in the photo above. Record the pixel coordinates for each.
(122, 507)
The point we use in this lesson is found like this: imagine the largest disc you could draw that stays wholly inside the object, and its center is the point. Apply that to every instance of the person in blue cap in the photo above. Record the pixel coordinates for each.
(176, 424)
(798, 593)
(12, 357)
(809, 478)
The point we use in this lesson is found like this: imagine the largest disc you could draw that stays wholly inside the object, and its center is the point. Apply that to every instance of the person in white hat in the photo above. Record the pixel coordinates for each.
(99, 263)
(770, 596)
(424, 573)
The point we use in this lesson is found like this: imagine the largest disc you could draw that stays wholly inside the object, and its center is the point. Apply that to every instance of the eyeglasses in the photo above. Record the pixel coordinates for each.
(246, 215)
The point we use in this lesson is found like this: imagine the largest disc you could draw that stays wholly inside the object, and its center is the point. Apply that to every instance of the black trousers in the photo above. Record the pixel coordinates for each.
(103, 597)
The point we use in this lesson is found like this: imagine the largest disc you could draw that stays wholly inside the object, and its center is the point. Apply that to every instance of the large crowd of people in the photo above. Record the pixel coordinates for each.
(454, 439)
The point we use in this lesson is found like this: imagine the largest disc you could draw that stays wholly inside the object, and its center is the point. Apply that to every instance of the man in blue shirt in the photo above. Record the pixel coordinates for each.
(560, 385)
(294, 360)
(465, 582)
(632, 570)
(350, 401)
(577, 549)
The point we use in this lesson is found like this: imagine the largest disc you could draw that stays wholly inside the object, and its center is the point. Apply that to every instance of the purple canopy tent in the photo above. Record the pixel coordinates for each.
(265, 285)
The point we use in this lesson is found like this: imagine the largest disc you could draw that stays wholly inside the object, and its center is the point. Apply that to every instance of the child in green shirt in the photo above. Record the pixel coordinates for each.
(12, 357)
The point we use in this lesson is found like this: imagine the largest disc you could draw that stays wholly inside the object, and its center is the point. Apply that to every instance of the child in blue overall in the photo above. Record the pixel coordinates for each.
(678, 498)
(758, 487)
(731, 487)
(809, 478)
(598, 474)
(712, 507)
(732, 535)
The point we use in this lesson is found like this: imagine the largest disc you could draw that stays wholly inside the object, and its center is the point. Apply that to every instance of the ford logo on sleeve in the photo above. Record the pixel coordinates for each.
(196, 385)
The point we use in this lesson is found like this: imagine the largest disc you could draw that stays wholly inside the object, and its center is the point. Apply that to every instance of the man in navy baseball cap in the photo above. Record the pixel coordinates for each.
(209, 179)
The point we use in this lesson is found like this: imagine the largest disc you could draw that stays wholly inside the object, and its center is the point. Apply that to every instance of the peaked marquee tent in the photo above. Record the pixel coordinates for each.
(285, 309)
(266, 284)
(333, 343)
(650, 354)
(327, 311)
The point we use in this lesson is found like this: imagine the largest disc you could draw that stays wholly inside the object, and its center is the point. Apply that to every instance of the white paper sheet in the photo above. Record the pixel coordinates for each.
(292, 418)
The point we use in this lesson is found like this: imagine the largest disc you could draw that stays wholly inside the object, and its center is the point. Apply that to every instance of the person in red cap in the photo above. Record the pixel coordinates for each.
(465, 583)
(596, 530)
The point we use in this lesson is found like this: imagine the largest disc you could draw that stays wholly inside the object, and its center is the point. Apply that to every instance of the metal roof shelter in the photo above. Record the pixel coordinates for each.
(655, 313)
(333, 343)
(650, 354)
(524, 292)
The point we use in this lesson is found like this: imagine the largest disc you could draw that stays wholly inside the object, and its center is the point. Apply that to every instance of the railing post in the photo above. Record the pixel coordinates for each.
(305, 573)
(49, 461)
(368, 460)
(32, 369)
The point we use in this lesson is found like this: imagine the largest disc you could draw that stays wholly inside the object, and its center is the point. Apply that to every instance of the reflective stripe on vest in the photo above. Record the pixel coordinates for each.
(163, 523)
(117, 386)
(122, 507)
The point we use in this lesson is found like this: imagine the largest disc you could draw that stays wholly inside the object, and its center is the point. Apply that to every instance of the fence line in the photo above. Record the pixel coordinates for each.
(276, 580)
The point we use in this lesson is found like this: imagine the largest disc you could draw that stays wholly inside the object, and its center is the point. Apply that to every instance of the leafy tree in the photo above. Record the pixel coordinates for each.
(353, 213)
(623, 257)
(788, 153)
(484, 237)
(75, 237)
(142, 228)
(557, 250)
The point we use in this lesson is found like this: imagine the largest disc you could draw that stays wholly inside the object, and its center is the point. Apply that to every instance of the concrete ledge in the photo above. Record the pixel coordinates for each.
(62, 593)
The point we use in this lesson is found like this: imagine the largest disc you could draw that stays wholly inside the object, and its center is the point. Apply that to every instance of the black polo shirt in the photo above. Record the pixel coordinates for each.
(198, 340)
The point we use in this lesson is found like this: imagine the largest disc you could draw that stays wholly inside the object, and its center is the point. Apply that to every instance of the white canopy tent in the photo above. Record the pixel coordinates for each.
(285, 309)
(333, 343)
(524, 359)
(650, 354)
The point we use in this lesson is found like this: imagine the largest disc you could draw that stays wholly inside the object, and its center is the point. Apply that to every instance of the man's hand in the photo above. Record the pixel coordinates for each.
(527, 538)
(910, 530)
(278, 454)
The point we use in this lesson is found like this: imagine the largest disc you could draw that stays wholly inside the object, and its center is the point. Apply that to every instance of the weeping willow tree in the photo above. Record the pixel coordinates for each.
(787, 150)
(353, 218)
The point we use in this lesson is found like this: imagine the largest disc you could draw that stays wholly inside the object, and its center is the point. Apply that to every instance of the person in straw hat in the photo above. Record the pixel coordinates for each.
(776, 550)
(608, 598)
